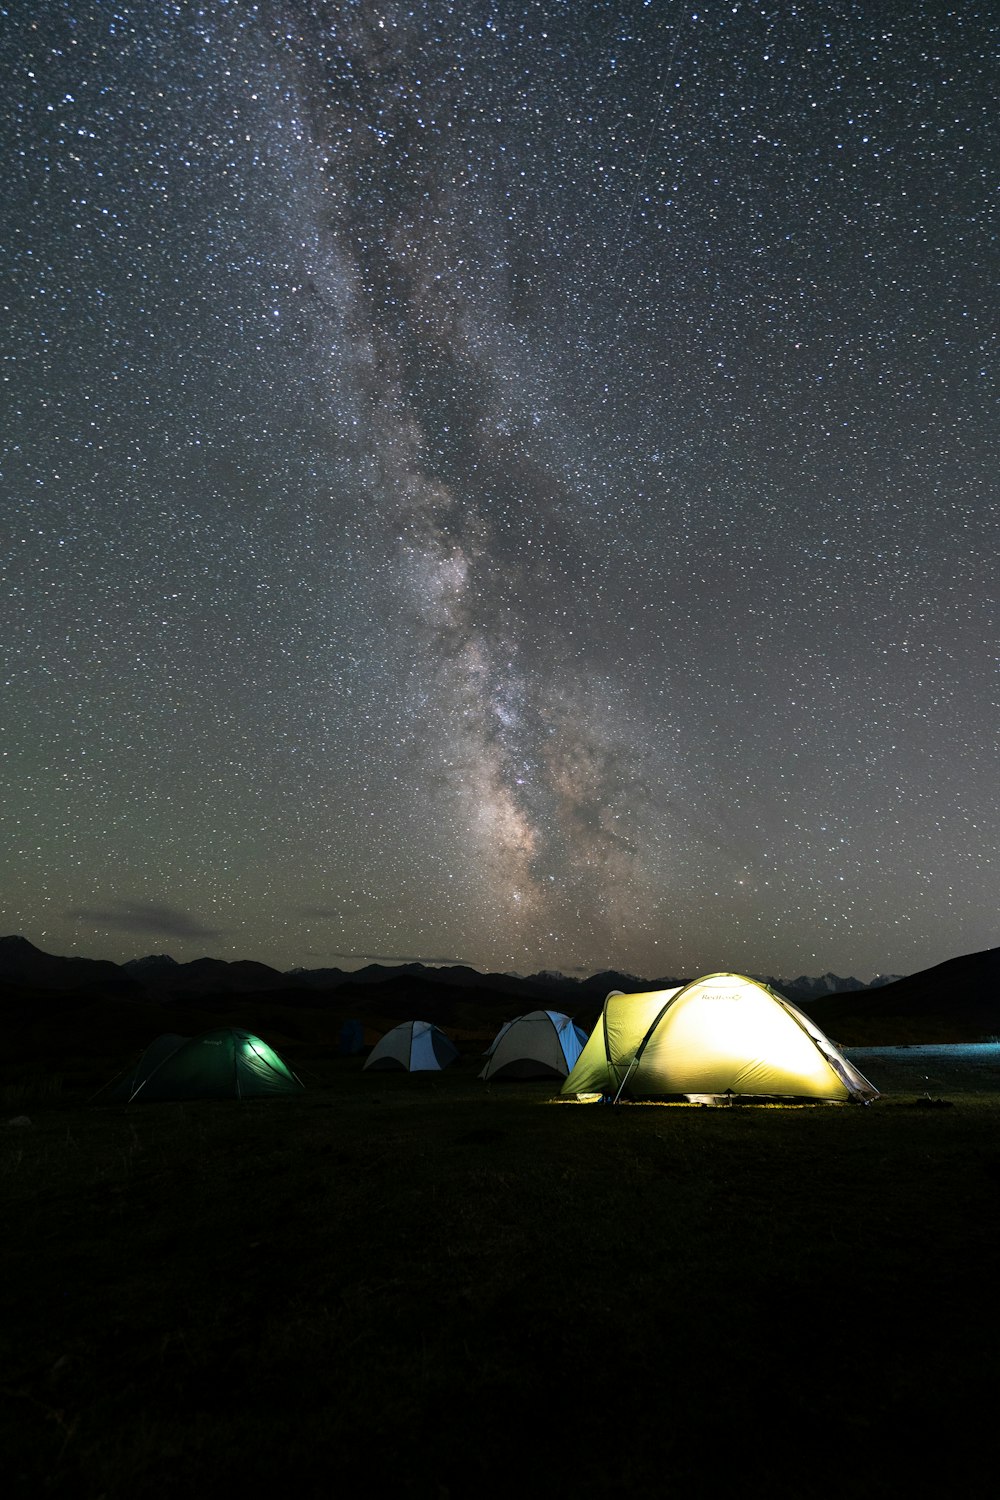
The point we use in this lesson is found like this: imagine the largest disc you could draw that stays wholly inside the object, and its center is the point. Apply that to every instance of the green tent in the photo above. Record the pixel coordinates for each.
(225, 1064)
(718, 1038)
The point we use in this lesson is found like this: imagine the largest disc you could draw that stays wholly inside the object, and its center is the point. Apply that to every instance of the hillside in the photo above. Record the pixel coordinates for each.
(955, 1001)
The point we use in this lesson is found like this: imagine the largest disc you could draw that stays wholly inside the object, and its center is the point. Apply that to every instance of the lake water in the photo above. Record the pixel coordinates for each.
(958, 1067)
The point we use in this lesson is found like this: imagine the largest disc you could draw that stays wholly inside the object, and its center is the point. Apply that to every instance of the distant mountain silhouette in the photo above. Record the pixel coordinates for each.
(210, 976)
(23, 964)
(827, 984)
(958, 1000)
(955, 1000)
(159, 974)
(455, 974)
(148, 968)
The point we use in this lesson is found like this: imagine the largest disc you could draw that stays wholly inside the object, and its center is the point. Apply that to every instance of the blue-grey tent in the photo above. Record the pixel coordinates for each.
(415, 1046)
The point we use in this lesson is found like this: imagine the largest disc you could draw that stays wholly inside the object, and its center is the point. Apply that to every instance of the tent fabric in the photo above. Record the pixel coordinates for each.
(415, 1046)
(225, 1064)
(720, 1036)
(125, 1087)
(541, 1044)
(350, 1039)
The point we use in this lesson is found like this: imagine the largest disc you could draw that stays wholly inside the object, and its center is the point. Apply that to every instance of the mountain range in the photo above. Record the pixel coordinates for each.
(158, 974)
(958, 1000)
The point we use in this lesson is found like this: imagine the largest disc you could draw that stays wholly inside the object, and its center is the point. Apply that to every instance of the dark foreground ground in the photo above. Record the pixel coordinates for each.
(426, 1287)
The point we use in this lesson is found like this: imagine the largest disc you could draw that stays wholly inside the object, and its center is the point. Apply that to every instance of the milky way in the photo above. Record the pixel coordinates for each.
(511, 483)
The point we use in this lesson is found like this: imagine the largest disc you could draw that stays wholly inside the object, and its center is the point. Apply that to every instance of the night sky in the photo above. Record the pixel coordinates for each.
(510, 483)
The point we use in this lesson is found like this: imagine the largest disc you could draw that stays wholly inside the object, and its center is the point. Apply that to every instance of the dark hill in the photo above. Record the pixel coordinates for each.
(215, 976)
(956, 1001)
(467, 1008)
(22, 964)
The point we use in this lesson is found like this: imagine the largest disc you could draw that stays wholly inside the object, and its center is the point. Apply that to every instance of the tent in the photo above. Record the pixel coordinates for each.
(224, 1064)
(542, 1044)
(415, 1046)
(720, 1037)
(350, 1039)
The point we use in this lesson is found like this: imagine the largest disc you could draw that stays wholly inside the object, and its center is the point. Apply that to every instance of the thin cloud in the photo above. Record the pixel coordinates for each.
(401, 958)
(146, 917)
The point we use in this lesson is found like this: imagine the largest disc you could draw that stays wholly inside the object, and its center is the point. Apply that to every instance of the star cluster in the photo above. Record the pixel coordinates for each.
(502, 482)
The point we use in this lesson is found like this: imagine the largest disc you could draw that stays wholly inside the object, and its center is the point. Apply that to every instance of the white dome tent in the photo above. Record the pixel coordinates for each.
(541, 1044)
(414, 1047)
(719, 1038)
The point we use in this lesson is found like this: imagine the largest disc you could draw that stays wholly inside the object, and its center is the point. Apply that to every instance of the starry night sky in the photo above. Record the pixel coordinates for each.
(511, 483)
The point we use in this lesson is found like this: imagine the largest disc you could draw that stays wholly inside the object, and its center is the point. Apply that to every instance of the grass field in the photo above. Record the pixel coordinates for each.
(427, 1287)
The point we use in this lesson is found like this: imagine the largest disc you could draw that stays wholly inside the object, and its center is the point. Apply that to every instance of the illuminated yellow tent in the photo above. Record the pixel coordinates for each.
(723, 1036)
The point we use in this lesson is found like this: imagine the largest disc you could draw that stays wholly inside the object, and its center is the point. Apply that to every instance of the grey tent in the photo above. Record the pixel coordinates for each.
(541, 1044)
(415, 1047)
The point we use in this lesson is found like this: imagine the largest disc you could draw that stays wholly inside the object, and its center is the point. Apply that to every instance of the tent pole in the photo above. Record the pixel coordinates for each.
(625, 1080)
